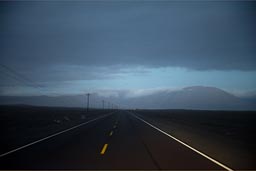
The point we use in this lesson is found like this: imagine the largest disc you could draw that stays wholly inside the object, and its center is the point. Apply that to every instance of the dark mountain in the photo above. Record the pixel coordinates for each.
(196, 97)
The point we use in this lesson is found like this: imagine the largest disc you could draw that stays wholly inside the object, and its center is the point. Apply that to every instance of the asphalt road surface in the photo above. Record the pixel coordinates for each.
(117, 141)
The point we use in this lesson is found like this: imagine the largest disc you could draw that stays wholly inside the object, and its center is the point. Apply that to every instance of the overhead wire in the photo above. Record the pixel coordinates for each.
(13, 74)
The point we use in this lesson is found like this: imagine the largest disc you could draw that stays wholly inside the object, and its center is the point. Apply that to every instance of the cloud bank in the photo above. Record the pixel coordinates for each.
(194, 35)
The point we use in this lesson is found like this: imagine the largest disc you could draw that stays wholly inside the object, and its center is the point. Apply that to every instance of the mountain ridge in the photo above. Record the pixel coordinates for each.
(193, 97)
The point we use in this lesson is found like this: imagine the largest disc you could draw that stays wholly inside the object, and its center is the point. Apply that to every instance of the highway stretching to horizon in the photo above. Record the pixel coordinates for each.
(120, 140)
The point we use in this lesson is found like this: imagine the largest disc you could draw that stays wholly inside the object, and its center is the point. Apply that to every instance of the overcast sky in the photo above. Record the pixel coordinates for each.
(76, 47)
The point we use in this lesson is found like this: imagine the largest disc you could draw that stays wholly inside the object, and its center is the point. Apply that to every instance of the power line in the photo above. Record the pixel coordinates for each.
(11, 73)
(19, 77)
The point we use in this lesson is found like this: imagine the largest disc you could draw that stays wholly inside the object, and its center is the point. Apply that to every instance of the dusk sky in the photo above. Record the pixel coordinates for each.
(78, 47)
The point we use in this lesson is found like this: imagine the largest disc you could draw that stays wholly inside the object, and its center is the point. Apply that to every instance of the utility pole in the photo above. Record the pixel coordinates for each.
(88, 101)
(103, 104)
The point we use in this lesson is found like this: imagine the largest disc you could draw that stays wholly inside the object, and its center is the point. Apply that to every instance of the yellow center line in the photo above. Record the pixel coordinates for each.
(104, 149)
(111, 133)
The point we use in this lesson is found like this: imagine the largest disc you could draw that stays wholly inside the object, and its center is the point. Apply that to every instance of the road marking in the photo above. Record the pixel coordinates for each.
(111, 133)
(104, 149)
(176, 139)
(22, 147)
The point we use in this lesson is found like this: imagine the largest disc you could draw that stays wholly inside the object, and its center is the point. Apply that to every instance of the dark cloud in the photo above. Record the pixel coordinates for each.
(194, 35)
(73, 73)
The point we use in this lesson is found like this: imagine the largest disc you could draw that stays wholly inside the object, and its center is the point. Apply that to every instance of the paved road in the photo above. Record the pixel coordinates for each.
(118, 141)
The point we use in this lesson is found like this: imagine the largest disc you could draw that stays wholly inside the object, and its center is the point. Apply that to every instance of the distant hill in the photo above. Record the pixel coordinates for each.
(196, 97)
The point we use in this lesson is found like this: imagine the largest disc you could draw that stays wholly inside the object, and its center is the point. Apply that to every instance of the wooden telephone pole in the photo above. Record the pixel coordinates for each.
(88, 101)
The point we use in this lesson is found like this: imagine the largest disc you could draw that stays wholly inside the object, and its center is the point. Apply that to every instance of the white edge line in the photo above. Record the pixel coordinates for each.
(40, 140)
(195, 150)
